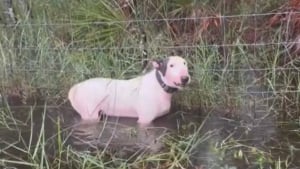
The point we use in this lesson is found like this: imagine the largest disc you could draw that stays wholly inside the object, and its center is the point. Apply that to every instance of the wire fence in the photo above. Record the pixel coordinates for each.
(286, 44)
(283, 43)
(221, 17)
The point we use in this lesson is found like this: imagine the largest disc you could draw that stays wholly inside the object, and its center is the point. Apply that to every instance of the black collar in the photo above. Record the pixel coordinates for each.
(166, 88)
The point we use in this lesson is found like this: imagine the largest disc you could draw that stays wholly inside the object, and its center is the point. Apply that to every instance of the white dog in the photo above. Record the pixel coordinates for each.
(145, 97)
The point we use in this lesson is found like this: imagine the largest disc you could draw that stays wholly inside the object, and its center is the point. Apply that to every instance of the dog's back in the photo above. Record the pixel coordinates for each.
(110, 96)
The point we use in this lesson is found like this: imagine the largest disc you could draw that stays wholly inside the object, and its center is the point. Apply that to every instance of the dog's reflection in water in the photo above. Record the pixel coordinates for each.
(121, 134)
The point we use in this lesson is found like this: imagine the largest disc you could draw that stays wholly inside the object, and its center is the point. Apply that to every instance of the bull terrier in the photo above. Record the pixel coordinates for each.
(145, 97)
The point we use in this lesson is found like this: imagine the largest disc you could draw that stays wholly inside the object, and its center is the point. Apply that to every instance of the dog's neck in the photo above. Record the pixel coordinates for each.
(166, 88)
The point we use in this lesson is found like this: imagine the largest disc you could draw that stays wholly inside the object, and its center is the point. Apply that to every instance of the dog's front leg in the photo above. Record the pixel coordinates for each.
(146, 116)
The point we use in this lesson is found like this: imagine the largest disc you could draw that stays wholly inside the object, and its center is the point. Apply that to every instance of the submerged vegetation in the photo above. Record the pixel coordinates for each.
(244, 59)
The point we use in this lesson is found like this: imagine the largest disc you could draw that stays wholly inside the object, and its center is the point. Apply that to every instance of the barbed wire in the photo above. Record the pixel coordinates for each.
(240, 91)
(198, 69)
(74, 23)
(286, 43)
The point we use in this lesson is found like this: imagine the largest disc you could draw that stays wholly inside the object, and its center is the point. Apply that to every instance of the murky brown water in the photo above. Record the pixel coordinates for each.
(124, 137)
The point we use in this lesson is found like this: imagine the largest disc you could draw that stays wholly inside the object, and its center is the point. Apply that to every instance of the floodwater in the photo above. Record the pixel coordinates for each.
(256, 128)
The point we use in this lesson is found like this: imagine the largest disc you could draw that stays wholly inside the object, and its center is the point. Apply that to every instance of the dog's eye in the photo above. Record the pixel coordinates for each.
(184, 63)
(171, 65)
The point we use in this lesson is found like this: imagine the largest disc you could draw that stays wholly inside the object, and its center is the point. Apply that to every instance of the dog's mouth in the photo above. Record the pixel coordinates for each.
(179, 84)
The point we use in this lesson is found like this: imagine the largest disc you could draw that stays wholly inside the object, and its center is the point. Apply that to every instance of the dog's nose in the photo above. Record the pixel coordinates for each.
(184, 79)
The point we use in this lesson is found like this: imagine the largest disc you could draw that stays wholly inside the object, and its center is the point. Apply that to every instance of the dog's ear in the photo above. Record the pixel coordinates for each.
(157, 63)
(160, 65)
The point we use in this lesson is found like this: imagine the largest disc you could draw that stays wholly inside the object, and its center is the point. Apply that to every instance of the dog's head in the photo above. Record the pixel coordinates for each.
(174, 71)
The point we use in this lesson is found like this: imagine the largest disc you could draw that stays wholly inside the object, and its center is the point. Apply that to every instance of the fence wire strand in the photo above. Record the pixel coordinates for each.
(285, 43)
(200, 69)
(67, 23)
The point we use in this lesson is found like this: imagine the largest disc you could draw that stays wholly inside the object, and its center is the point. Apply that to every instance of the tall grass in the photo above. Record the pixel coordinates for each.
(43, 59)
(38, 59)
